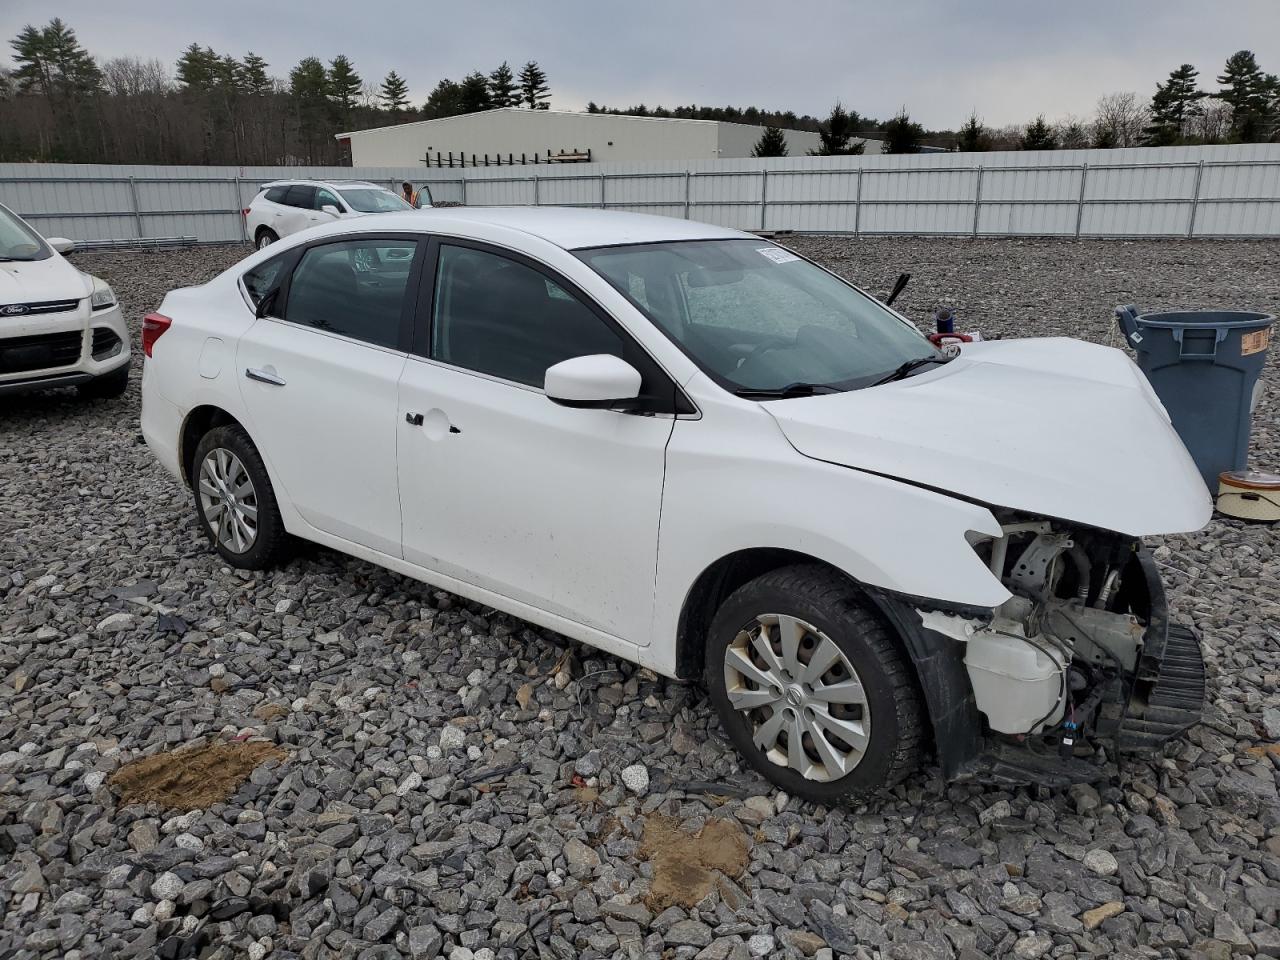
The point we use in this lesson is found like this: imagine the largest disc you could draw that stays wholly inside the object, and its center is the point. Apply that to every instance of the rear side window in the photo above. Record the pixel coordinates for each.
(263, 278)
(356, 288)
(276, 194)
(500, 317)
(300, 195)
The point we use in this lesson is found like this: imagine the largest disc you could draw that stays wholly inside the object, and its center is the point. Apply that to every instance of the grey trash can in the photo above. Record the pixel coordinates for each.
(1204, 366)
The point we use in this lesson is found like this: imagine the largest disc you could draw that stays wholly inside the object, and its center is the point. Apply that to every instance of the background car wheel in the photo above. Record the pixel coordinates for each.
(234, 500)
(107, 386)
(265, 238)
(812, 687)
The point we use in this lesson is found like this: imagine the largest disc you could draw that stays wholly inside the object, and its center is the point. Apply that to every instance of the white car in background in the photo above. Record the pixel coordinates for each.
(59, 327)
(284, 207)
(695, 449)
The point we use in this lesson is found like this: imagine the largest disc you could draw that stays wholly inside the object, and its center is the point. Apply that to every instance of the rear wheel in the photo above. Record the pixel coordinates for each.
(108, 386)
(234, 500)
(265, 238)
(812, 687)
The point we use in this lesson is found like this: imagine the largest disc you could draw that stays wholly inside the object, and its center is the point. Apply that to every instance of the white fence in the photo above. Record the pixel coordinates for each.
(1217, 191)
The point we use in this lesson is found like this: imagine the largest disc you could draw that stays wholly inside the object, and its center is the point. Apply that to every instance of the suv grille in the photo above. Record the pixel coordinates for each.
(105, 343)
(19, 354)
(9, 310)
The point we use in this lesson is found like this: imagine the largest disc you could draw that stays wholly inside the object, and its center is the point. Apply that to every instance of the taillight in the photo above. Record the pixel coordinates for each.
(245, 211)
(153, 325)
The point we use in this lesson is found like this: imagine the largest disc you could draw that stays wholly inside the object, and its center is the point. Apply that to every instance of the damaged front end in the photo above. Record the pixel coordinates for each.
(1079, 663)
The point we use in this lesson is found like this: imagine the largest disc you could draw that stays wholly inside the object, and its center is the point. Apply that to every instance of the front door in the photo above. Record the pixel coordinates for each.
(502, 488)
(319, 380)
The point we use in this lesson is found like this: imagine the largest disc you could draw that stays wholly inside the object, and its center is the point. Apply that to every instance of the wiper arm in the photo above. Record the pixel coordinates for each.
(905, 368)
(798, 389)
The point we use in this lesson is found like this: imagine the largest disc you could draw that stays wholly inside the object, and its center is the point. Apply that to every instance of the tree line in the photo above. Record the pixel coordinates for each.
(60, 104)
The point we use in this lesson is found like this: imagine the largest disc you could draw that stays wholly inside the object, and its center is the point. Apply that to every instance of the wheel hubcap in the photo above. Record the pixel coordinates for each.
(229, 500)
(800, 695)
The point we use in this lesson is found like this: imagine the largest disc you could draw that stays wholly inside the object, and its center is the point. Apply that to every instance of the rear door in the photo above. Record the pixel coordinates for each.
(319, 379)
(298, 211)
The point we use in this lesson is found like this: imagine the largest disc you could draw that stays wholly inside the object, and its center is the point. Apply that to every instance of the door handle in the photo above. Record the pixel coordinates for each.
(413, 419)
(264, 376)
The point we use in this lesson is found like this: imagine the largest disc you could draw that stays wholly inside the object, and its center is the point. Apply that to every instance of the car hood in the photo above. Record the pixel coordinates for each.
(32, 281)
(1055, 427)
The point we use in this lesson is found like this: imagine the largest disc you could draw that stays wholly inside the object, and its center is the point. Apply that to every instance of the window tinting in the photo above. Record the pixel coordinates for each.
(263, 278)
(499, 317)
(300, 195)
(356, 288)
(276, 194)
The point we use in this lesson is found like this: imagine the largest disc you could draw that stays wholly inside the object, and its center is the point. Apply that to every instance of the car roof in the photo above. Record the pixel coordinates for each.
(571, 228)
(335, 184)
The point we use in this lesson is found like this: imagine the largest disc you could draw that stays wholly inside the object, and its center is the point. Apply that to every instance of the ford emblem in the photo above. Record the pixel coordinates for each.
(14, 309)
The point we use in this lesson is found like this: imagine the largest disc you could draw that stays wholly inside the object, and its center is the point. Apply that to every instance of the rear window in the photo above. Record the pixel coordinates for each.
(301, 195)
(276, 194)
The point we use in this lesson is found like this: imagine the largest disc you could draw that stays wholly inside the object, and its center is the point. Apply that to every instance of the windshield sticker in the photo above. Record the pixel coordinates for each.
(777, 254)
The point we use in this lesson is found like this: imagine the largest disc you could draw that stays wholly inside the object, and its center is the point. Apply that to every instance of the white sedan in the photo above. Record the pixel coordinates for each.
(58, 327)
(695, 449)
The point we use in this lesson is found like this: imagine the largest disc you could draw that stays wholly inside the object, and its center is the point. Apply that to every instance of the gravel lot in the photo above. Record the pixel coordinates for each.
(457, 783)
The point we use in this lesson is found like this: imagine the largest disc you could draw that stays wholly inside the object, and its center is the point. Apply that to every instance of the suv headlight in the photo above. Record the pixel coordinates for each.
(103, 297)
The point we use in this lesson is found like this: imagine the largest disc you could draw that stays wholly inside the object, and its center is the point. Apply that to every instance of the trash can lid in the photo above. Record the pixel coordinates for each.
(1250, 479)
(1225, 319)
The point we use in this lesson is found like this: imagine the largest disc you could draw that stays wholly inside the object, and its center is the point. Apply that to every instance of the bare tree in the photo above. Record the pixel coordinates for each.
(1209, 121)
(133, 77)
(1119, 120)
(1072, 133)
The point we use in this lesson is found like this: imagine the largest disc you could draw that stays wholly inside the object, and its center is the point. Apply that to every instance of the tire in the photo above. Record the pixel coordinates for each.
(817, 606)
(224, 460)
(106, 387)
(265, 238)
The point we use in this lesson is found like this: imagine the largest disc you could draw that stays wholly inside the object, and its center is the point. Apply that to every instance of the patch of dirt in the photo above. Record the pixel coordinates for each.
(192, 779)
(685, 864)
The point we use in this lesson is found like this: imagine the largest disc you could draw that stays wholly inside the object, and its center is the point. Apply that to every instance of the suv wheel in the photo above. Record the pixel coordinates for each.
(812, 687)
(234, 500)
(266, 237)
(106, 387)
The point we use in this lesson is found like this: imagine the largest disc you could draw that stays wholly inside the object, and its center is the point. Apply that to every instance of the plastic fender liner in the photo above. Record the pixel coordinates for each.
(939, 663)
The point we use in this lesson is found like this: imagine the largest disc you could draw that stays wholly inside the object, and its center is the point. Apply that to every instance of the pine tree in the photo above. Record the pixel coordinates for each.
(473, 93)
(51, 62)
(445, 101)
(1172, 107)
(835, 133)
(1038, 136)
(344, 83)
(253, 77)
(1245, 90)
(394, 92)
(772, 143)
(902, 135)
(534, 92)
(197, 68)
(973, 136)
(502, 87)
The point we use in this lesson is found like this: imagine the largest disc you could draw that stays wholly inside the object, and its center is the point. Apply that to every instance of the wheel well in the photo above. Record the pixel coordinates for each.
(199, 422)
(263, 228)
(713, 587)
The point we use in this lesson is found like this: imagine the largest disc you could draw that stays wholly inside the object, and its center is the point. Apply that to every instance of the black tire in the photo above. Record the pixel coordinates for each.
(271, 542)
(264, 238)
(833, 605)
(106, 387)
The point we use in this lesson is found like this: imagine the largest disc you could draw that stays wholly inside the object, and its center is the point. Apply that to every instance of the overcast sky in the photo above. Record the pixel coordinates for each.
(1008, 59)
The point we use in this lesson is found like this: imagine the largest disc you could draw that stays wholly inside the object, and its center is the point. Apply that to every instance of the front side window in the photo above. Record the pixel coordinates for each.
(496, 316)
(759, 318)
(371, 200)
(18, 241)
(324, 197)
(356, 288)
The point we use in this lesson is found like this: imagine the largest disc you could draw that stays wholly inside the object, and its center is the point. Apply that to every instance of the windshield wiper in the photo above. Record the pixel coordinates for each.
(905, 368)
(798, 389)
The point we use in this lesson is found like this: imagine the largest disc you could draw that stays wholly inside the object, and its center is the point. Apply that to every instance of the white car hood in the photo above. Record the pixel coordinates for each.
(33, 281)
(1055, 427)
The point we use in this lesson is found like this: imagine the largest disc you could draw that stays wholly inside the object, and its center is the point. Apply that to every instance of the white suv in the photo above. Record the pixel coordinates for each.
(284, 207)
(58, 327)
(701, 452)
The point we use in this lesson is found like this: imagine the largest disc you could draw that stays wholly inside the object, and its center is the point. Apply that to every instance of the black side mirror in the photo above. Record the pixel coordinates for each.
(898, 287)
(266, 303)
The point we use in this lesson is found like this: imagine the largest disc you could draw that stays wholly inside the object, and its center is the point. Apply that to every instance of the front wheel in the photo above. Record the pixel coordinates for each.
(234, 500)
(812, 687)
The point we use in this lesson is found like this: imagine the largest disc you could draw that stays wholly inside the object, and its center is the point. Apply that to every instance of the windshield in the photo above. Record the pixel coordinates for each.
(370, 200)
(18, 241)
(757, 317)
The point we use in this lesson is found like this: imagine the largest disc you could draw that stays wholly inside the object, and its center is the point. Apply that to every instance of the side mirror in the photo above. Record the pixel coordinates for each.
(61, 244)
(331, 210)
(594, 382)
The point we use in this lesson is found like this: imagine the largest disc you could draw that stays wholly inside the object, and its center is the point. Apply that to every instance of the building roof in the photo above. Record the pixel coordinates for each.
(570, 228)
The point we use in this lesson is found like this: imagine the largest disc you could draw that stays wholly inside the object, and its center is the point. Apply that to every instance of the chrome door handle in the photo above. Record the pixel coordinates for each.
(264, 376)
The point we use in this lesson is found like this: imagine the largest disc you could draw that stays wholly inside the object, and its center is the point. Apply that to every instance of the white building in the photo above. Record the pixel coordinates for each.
(512, 133)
